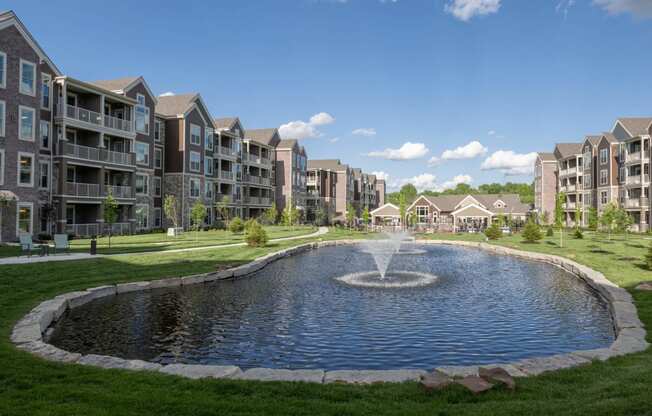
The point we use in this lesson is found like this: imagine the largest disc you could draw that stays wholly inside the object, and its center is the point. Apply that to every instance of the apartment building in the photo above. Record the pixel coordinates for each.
(381, 190)
(321, 193)
(545, 184)
(229, 136)
(259, 164)
(291, 168)
(613, 167)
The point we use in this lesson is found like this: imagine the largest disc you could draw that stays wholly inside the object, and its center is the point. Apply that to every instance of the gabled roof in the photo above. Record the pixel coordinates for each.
(635, 126)
(9, 18)
(327, 164)
(469, 197)
(388, 209)
(122, 85)
(547, 156)
(474, 210)
(225, 123)
(609, 137)
(568, 149)
(174, 105)
(593, 139)
(287, 144)
(449, 203)
(269, 137)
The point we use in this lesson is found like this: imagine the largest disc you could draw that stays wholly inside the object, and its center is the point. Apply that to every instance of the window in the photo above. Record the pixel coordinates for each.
(26, 126)
(45, 134)
(208, 166)
(603, 156)
(208, 138)
(3, 70)
(2, 118)
(603, 177)
(157, 186)
(194, 188)
(208, 190)
(142, 213)
(27, 78)
(141, 184)
(24, 217)
(158, 158)
(142, 153)
(603, 197)
(142, 115)
(158, 130)
(195, 134)
(587, 181)
(45, 92)
(44, 177)
(195, 161)
(422, 214)
(622, 174)
(2, 166)
(157, 218)
(25, 169)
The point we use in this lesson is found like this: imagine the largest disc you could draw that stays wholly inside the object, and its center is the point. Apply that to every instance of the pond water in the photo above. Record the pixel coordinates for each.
(295, 313)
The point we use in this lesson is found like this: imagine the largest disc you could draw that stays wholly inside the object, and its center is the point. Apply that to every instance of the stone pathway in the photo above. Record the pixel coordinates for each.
(83, 256)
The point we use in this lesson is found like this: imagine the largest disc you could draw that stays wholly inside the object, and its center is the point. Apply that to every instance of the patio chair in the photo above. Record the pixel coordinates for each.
(26, 244)
(61, 243)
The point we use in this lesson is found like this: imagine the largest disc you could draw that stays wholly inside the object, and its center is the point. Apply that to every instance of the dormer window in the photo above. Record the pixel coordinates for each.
(499, 204)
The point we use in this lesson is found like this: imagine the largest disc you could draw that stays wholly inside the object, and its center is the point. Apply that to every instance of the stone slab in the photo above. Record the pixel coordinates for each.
(165, 283)
(647, 286)
(459, 371)
(77, 299)
(50, 352)
(598, 354)
(536, 366)
(58, 307)
(268, 374)
(497, 375)
(27, 332)
(133, 287)
(628, 344)
(372, 376)
(109, 362)
(475, 384)
(193, 280)
(201, 371)
(103, 291)
(435, 381)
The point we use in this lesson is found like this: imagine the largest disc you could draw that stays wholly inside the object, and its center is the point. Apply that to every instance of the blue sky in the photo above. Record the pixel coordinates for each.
(456, 90)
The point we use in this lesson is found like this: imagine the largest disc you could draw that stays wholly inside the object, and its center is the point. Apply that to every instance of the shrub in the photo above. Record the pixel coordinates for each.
(550, 232)
(255, 234)
(236, 225)
(578, 234)
(249, 223)
(494, 232)
(531, 232)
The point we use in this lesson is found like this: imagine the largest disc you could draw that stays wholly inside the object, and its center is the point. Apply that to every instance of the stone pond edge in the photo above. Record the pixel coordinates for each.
(31, 332)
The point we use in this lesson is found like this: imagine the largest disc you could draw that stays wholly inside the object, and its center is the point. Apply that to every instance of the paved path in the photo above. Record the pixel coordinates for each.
(83, 256)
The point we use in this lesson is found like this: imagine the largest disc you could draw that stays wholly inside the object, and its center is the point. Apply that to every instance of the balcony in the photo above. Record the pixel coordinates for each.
(570, 205)
(257, 180)
(228, 151)
(260, 160)
(634, 180)
(258, 200)
(637, 202)
(225, 174)
(633, 157)
(97, 154)
(119, 191)
(87, 230)
(94, 120)
(90, 190)
(117, 124)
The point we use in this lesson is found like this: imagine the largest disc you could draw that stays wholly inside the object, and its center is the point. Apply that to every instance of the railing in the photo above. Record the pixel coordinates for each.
(633, 157)
(255, 158)
(634, 180)
(83, 230)
(117, 123)
(225, 174)
(570, 205)
(118, 228)
(228, 151)
(81, 114)
(637, 202)
(82, 189)
(97, 154)
(119, 191)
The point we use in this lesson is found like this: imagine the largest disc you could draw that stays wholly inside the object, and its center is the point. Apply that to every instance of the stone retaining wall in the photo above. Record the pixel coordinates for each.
(28, 334)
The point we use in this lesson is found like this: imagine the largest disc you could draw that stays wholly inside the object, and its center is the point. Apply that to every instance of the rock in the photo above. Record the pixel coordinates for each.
(103, 291)
(372, 376)
(132, 287)
(164, 283)
(58, 307)
(475, 384)
(645, 286)
(268, 374)
(28, 332)
(193, 280)
(625, 315)
(497, 375)
(628, 344)
(201, 371)
(459, 371)
(435, 381)
(50, 352)
(509, 368)
(108, 362)
(77, 299)
(599, 354)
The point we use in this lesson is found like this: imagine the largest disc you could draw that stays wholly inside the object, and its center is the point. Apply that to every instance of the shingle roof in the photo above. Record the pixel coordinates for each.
(224, 123)
(546, 156)
(286, 144)
(264, 136)
(593, 139)
(610, 137)
(327, 164)
(636, 126)
(513, 204)
(172, 105)
(118, 84)
(568, 149)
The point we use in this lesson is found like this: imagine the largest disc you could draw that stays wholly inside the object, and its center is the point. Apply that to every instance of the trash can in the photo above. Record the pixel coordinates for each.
(93, 246)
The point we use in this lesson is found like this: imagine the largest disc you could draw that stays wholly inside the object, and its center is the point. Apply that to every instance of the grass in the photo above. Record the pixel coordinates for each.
(30, 386)
(160, 241)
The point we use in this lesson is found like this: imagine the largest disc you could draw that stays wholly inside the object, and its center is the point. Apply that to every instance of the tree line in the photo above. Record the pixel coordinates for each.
(409, 192)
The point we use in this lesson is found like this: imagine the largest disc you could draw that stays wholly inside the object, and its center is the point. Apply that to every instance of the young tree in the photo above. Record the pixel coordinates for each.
(197, 215)
(402, 207)
(578, 216)
(532, 232)
(593, 219)
(255, 234)
(608, 218)
(110, 213)
(350, 215)
(236, 226)
(224, 210)
(622, 221)
(493, 232)
(545, 217)
(170, 208)
(366, 217)
(321, 217)
(560, 200)
(271, 214)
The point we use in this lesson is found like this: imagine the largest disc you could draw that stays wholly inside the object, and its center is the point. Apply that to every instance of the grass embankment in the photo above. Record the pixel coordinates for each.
(143, 243)
(30, 386)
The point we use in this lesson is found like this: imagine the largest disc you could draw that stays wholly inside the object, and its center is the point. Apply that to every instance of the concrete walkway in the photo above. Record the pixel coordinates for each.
(84, 256)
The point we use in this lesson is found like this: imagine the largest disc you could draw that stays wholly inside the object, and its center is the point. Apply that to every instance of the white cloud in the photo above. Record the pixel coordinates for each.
(466, 10)
(368, 132)
(428, 182)
(434, 161)
(468, 151)
(381, 175)
(167, 94)
(510, 163)
(456, 181)
(305, 129)
(564, 7)
(491, 132)
(638, 8)
(408, 151)
(334, 140)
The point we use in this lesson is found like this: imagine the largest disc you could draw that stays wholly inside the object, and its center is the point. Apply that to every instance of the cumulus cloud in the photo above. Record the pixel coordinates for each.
(491, 132)
(334, 140)
(638, 8)
(367, 132)
(428, 182)
(510, 163)
(408, 151)
(167, 94)
(305, 129)
(434, 161)
(468, 151)
(456, 181)
(466, 10)
(381, 175)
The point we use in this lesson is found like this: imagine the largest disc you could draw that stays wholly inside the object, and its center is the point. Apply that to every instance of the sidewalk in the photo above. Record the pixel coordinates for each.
(84, 256)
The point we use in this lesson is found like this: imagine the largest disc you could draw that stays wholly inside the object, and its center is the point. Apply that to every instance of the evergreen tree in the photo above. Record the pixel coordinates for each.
(531, 232)
(110, 213)
(271, 214)
(593, 219)
(493, 232)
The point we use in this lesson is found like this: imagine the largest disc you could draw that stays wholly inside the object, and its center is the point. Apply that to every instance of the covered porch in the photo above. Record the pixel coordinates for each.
(472, 218)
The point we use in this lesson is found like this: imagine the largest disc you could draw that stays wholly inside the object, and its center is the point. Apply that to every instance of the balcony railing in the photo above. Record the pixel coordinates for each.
(81, 114)
(258, 180)
(261, 160)
(633, 157)
(83, 230)
(81, 189)
(228, 151)
(97, 154)
(637, 202)
(634, 180)
(119, 191)
(570, 205)
(225, 174)
(117, 123)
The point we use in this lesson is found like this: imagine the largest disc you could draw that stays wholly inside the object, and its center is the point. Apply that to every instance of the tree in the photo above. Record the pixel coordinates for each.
(350, 215)
(170, 207)
(402, 207)
(271, 214)
(321, 217)
(224, 210)
(608, 218)
(236, 226)
(366, 217)
(622, 221)
(255, 234)
(545, 217)
(197, 215)
(290, 216)
(593, 219)
(532, 232)
(409, 192)
(578, 216)
(560, 200)
(110, 213)
(493, 232)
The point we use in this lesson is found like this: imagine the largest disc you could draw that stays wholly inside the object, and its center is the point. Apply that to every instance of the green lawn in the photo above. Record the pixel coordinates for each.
(30, 386)
(160, 241)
